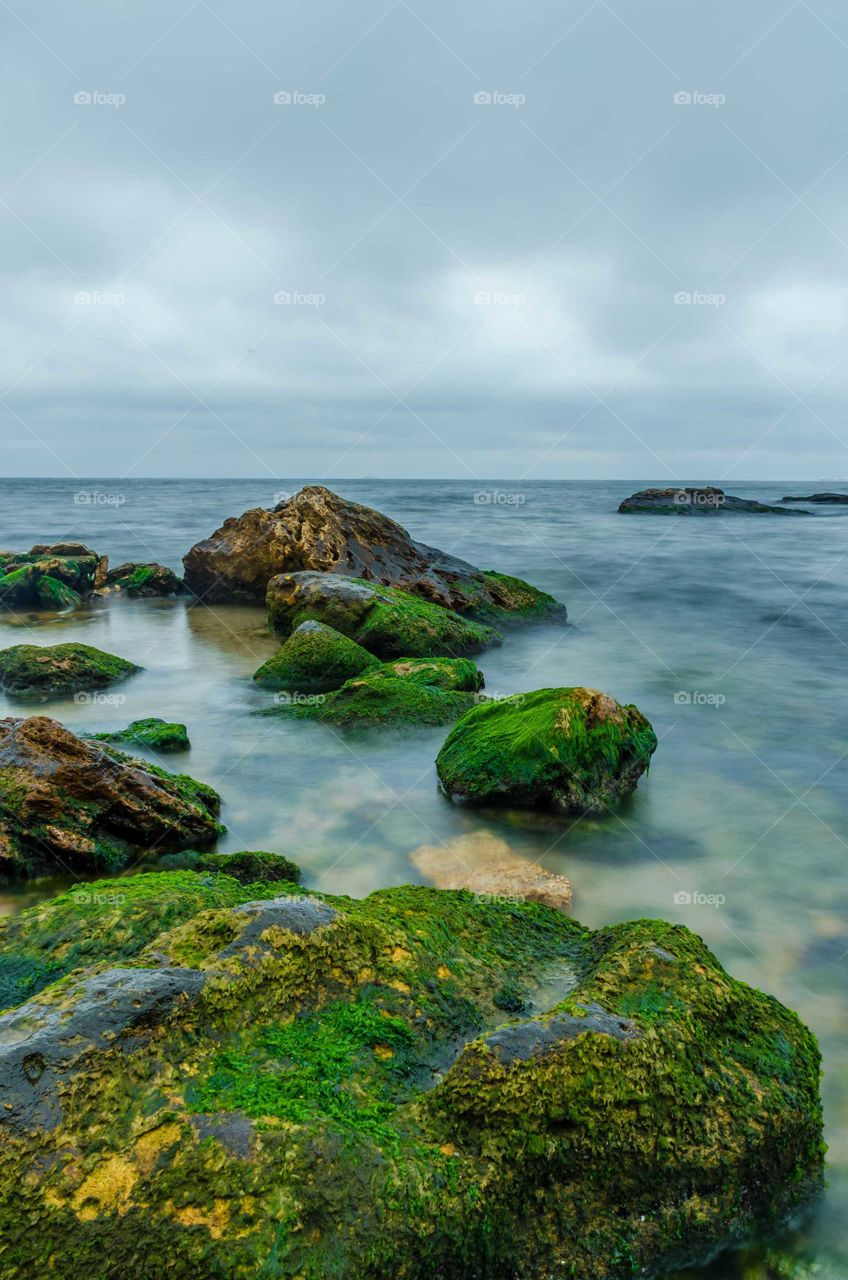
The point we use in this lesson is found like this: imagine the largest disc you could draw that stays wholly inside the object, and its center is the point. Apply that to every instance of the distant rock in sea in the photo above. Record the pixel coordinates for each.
(834, 498)
(697, 502)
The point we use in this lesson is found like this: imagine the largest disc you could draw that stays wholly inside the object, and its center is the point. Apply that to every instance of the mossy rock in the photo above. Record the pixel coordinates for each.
(48, 577)
(574, 750)
(143, 580)
(384, 620)
(81, 805)
(315, 1087)
(408, 691)
(501, 599)
(36, 671)
(158, 735)
(313, 659)
(250, 867)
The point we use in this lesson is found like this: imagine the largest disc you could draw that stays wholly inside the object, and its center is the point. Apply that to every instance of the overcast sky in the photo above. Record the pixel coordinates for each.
(380, 274)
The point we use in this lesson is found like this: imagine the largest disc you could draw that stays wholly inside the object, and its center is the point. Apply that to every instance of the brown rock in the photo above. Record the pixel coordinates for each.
(317, 530)
(73, 802)
(485, 864)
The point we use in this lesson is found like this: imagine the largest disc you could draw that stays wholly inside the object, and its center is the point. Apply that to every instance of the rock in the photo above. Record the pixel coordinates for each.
(696, 502)
(53, 577)
(314, 658)
(156, 734)
(385, 621)
(319, 531)
(249, 868)
(318, 1086)
(573, 750)
(486, 865)
(40, 671)
(377, 700)
(833, 498)
(143, 580)
(72, 803)
(459, 674)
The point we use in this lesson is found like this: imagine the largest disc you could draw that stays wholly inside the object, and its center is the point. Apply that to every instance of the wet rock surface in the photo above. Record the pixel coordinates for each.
(696, 502)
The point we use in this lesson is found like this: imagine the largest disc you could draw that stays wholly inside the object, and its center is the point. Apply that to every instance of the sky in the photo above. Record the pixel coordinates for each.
(568, 238)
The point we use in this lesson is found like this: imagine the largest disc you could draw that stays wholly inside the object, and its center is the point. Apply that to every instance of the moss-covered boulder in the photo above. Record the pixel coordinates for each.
(248, 867)
(66, 803)
(574, 750)
(314, 658)
(40, 671)
(404, 692)
(311, 1087)
(50, 577)
(143, 580)
(384, 620)
(158, 735)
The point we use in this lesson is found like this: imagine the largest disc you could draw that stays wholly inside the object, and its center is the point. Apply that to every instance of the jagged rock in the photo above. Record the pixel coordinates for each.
(486, 865)
(69, 802)
(697, 502)
(41, 671)
(320, 531)
(249, 867)
(384, 620)
(310, 1086)
(573, 750)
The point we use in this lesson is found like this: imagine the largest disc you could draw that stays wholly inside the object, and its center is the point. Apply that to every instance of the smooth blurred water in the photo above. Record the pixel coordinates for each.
(745, 802)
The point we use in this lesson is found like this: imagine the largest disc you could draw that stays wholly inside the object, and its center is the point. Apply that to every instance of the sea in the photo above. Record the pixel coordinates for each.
(729, 632)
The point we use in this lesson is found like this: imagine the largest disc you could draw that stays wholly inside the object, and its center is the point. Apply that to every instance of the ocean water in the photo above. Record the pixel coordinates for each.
(730, 633)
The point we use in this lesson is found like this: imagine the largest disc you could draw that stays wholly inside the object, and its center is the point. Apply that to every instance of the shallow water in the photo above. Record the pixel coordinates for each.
(729, 633)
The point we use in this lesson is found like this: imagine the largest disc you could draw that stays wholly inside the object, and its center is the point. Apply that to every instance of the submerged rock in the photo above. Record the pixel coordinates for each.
(143, 580)
(32, 671)
(250, 867)
(66, 802)
(49, 577)
(384, 620)
(696, 502)
(832, 498)
(318, 530)
(314, 658)
(574, 750)
(486, 865)
(306, 1086)
(158, 735)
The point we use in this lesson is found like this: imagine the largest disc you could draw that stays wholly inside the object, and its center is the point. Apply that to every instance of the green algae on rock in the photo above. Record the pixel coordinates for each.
(384, 620)
(314, 658)
(307, 1086)
(250, 866)
(33, 671)
(403, 692)
(574, 750)
(158, 735)
(49, 577)
(143, 580)
(75, 803)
